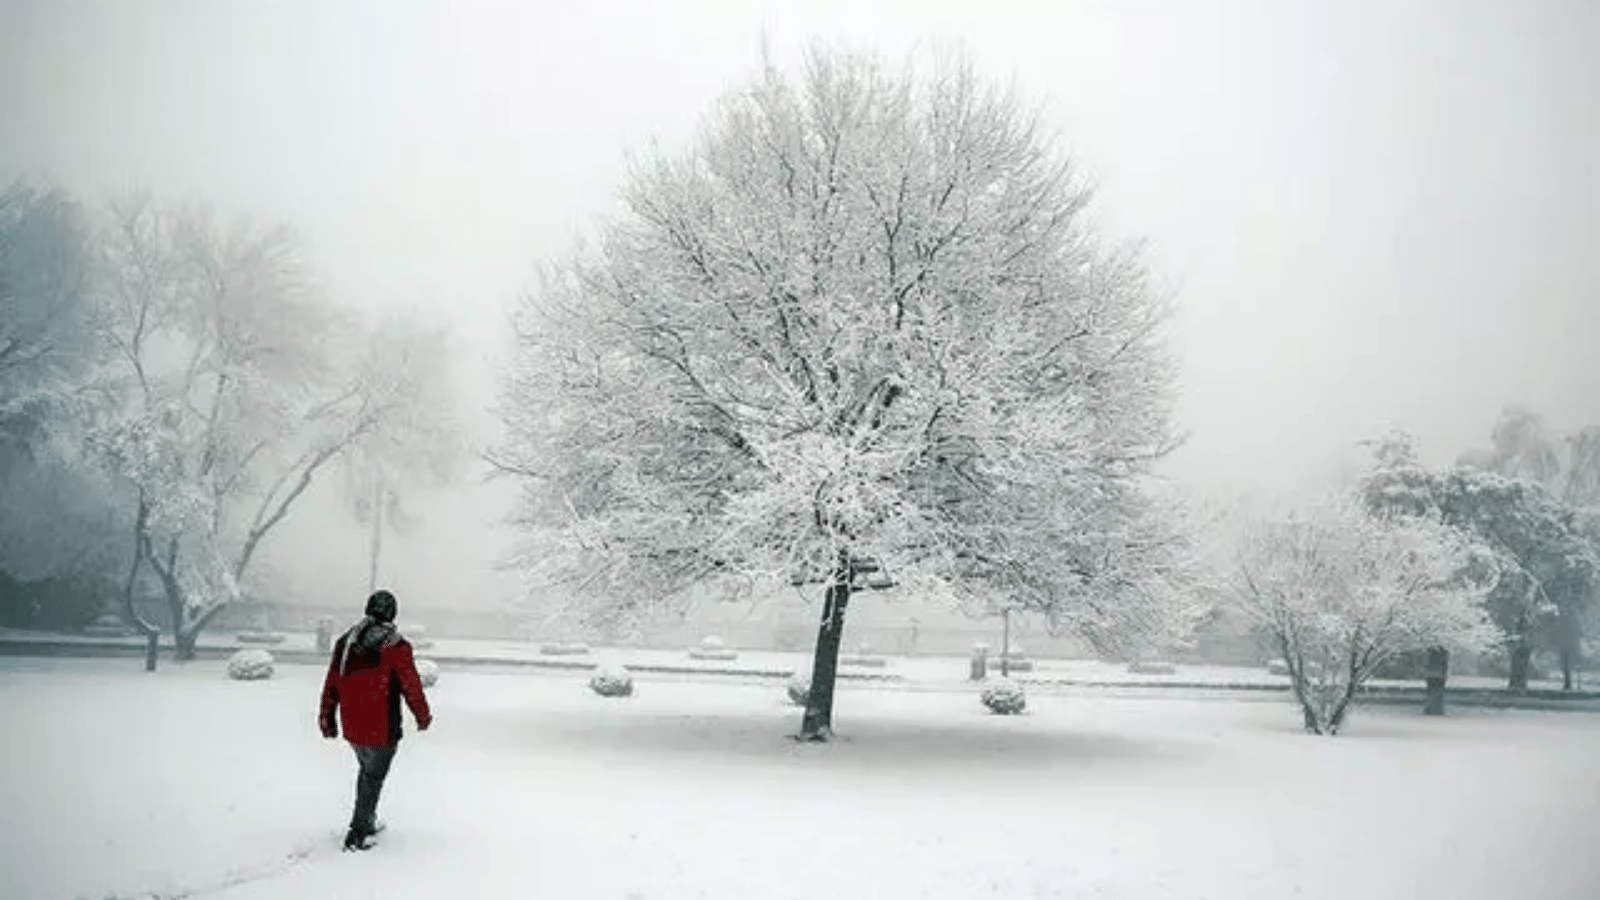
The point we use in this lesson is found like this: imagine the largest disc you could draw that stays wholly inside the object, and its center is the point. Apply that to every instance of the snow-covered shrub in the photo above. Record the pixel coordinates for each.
(712, 648)
(260, 637)
(250, 665)
(1151, 667)
(563, 648)
(799, 689)
(1004, 697)
(417, 636)
(612, 681)
(1277, 667)
(428, 670)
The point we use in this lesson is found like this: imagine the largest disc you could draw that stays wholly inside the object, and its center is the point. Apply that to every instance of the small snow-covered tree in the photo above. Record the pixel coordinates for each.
(862, 322)
(1340, 591)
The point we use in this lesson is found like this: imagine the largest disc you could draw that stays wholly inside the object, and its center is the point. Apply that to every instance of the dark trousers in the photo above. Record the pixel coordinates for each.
(374, 763)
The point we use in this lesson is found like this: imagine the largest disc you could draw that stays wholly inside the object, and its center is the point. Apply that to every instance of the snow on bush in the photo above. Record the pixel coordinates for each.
(563, 648)
(799, 689)
(1152, 667)
(250, 665)
(260, 637)
(612, 681)
(1004, 697)
(712, 648)
(429, 672)
(417, 635)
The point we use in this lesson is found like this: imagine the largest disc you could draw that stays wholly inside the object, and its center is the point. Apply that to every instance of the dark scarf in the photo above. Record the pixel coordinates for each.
(366, 637)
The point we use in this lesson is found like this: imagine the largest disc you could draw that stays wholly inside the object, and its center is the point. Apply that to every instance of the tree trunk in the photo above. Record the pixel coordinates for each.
(1336, 721)
(1566, 668)
(152, 634)
(1341, 709)
(181, 651)
(1436, 674)
(184, 644)
(1309, 717)
(1297, 683)
(1005, 644)
(375, 540)
(187, 637)
(1521, 657)
(818, 722)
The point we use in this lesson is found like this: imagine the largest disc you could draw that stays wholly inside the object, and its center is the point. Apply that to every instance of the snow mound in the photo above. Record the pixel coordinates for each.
(612, 681)
(250, 665)
(561, 648)
(429, 672)
(1004, 697)
(713, 648)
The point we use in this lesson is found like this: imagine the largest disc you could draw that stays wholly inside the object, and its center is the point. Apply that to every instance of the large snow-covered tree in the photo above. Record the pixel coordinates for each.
(243, 386)
(1340, 591)
(862, 322)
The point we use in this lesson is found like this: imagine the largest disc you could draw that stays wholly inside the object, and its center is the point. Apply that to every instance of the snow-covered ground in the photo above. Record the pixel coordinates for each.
(120, 784)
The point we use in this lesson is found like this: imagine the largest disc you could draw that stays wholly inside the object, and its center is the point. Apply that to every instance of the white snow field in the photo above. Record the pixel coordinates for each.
(120, 784)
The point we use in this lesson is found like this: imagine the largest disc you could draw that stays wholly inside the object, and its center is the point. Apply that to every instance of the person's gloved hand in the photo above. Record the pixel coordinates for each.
(329, 730)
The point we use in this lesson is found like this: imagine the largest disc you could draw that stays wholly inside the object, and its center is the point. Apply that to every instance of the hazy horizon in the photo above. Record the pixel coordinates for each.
(1371, 215)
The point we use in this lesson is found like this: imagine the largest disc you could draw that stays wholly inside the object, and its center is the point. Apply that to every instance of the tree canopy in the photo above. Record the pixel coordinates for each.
(863, 315)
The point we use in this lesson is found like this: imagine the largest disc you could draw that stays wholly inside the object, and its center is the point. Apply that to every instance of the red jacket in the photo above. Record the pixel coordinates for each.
(366, 686)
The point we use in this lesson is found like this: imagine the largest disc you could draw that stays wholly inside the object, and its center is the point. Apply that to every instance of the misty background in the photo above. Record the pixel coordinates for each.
(1372, 215)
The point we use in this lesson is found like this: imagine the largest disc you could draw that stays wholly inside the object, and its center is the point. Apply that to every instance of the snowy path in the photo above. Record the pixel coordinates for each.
(176, 784)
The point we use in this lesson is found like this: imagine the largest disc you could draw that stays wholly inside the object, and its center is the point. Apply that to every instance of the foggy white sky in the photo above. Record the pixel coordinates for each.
(1375, 213)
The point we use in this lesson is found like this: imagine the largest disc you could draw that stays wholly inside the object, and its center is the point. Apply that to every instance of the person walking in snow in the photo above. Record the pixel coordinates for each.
(372, 668)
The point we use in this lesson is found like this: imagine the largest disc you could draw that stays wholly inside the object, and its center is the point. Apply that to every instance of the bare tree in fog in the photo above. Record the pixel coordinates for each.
(863, 321)
(424, 450)
(242, 386)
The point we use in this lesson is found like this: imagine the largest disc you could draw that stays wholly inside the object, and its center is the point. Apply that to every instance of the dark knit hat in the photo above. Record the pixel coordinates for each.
(382, 606)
